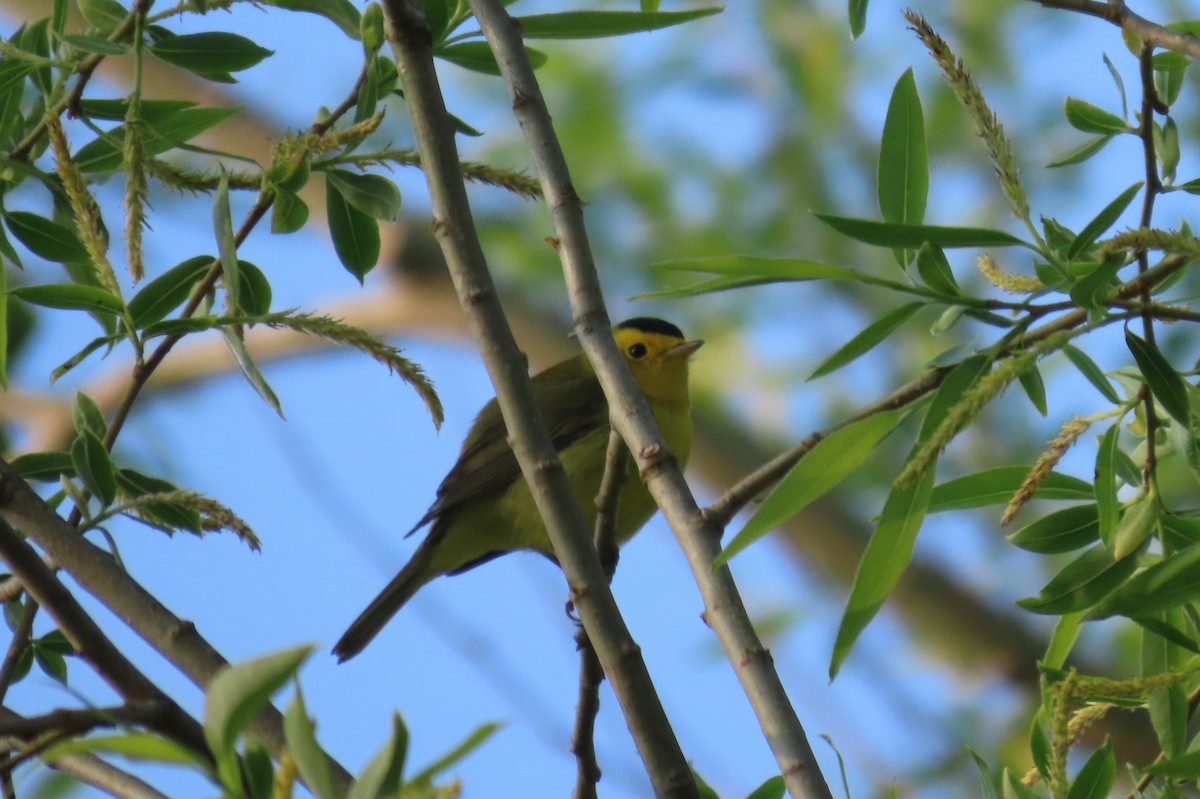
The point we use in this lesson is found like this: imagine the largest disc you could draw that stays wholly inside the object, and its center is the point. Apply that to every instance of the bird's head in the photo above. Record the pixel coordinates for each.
(657, 354)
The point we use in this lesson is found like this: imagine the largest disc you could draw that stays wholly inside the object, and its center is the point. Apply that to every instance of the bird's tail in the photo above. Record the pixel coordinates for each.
(383, 607)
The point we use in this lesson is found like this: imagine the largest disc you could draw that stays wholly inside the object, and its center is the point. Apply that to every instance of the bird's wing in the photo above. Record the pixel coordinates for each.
(572, 403)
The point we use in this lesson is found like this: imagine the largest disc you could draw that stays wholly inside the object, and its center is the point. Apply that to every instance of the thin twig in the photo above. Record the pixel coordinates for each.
(591, 674)
(16, 647)
(453, 226)
(1116, 12)
(632, 416)
(1152, 188)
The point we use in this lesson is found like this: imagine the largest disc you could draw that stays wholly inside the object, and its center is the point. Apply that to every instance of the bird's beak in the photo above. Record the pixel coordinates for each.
(685, 349)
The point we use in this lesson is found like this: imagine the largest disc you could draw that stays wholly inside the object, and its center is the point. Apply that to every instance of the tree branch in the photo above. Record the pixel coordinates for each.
(453, 225)
(632, 416)
(1116, 12)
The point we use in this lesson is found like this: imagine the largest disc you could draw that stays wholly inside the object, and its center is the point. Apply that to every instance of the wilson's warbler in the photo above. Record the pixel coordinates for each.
(484, 508)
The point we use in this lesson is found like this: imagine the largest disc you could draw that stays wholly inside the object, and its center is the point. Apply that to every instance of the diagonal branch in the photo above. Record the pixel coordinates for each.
(453, 225)
(633, 418)
(1116, 12)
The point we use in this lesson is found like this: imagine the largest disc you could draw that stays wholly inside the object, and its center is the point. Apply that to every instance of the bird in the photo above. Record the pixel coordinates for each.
(484, 508)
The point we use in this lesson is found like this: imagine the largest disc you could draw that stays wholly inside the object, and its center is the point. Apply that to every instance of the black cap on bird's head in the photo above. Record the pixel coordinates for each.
(648, 324)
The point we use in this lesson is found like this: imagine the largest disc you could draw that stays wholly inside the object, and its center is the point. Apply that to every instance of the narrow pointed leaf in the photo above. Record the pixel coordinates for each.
(903, 175)
(1102, 221)
(70, 296)
(1096, 776)
(45, 238)
(871, 335)
(250, 369)
(1162, 379)
(311, 761)
(1083, 153)
(477, 57)
(1062, 531)
(161, 134)
(340, 12)
(1172, 582)
(995, 486)
(885, 234)
(226, 244)
(595, 24)
(211, 52)
(1183, 767)
(94, 466)
(826, 465)
(935, 271)
(238, 692)
(858, 17)
(1167, 705)
(887, 555)
(382, 776)
(1035, 388)
(1108, 509)
(1081, 583)
(473, 741)
(168, 291)
(1092, 119)
(1088, 368)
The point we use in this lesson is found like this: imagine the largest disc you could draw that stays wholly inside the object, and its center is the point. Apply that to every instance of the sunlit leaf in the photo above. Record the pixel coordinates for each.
(996, 486)
(595, 24)
(1081, 583)
(886, 234)
(867, 338)
(1162, 379)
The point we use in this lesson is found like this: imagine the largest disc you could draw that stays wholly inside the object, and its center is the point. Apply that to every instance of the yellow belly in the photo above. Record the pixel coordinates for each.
(509, 520)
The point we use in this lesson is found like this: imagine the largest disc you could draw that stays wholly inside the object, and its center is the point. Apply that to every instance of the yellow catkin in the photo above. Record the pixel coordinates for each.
(1070, 432)
(1008, 281)
(84, 209)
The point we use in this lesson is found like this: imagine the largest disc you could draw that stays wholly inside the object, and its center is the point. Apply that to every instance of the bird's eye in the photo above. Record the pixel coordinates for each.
(637, 350)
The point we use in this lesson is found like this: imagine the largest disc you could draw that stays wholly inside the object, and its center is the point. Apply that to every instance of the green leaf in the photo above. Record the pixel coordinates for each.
(259, 770)
(1039, 745)
(1083, 153)
(996, 486)
(903, 175)
(311, 761)
(1082, 583)
(1062, 640)
(1162, 379)
(355, 234)
(254, 292)
(885, 234)
(168, 291)
(1102, 221)
(703, 789)
(250, 369)
(226, 245)
(142, 746)
(1035, 389)
(1167, 149)
(45, 238)
(1167, 705)
(1172, 582)
(772, 788)
(95, 44)
(596, 24)
(104, 15)
(382, 776)
(340, 12)
(888, 552)
(1108, 509)
(934, 269)
(172, 130)
(374, 195)
(94, 466)
(210, 53)
(1088, 368)
(478, 57)
(238, 692)
(825, 465)
(1093, 290)
(987, 788)
(70, 296)
(472, 742)
(1091, 119)
(87, 416)
(760, 267)
(871, 335)
(1096, 776)
(1183, 767)
(48, 466)
(1062, 531)
(289, 213)
(858, 18)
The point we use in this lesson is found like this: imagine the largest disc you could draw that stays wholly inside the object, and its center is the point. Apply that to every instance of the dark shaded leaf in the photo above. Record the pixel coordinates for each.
(94, 466)
(996, 486)
(355, 235)
(885, 234)
(70, 296)
(1082, 583)
(1172, 582)
(340, 12)
(209, 53)
(595, 24)
(168, 291)
(45, 238)
(1162, 379)
(374, 195)
(1061, 531)
(477, 57)
(1102, 221)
